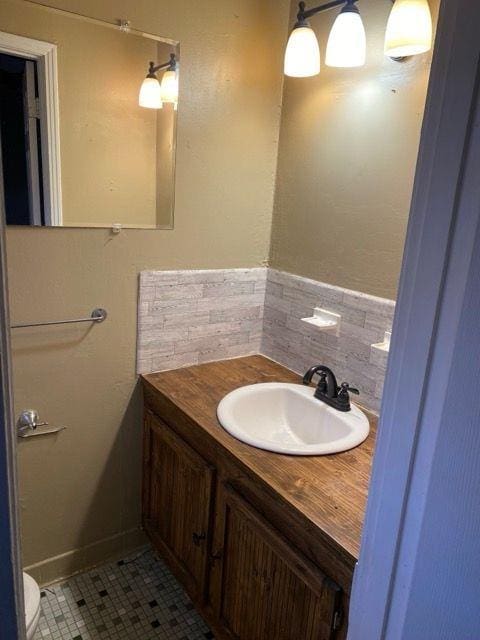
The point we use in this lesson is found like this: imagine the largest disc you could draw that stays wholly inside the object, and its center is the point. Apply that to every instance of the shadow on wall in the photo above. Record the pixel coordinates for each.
(124, 460)
(106, 514)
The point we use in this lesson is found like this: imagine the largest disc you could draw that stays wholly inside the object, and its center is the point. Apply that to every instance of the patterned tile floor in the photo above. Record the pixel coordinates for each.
(132, 599)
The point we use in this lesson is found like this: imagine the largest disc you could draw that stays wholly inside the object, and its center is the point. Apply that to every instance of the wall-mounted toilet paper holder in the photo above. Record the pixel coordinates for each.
(28, 422)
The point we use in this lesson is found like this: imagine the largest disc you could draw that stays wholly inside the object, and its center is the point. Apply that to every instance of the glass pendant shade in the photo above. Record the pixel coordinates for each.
(347, 43)
(302, 55)
(169, 87)
(150, 94)
(409, 29)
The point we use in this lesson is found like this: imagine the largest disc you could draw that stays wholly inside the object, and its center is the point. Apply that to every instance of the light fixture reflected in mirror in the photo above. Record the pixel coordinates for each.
(150, 95)
(409, 32)
(169, 87)
(409, 29)
(153, 93)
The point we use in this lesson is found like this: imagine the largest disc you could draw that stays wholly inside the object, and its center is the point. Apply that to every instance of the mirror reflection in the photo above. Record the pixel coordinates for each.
(88, 120)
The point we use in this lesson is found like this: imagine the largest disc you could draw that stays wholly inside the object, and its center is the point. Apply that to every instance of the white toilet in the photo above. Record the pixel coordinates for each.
(31, 592)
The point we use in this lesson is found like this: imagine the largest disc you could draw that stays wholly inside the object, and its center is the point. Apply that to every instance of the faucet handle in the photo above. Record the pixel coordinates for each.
(346, 388)
(343, 397)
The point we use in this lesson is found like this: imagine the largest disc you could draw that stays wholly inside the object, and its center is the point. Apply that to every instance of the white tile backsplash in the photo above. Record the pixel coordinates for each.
(298, 345)
(188, 317)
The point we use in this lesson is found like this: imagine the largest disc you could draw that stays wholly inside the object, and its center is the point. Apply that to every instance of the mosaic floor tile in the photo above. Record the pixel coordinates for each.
(133, 599)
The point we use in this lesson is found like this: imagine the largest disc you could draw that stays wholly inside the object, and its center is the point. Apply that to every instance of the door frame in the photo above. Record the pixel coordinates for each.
(31, 115)
(433, 259)
(45, 55)
(12, 607)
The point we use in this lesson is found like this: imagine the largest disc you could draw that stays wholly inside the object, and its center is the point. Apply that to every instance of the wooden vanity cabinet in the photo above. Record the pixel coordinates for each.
(249, 581)
(177, 503)
(261, 588)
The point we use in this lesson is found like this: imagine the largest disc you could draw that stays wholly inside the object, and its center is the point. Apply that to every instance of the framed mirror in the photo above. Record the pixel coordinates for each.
(88, 114)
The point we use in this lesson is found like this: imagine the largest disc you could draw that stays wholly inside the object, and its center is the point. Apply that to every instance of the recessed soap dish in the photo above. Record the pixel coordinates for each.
(385, 345)
(324, 319)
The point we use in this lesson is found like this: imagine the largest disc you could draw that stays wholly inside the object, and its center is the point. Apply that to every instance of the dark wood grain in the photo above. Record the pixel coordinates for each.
(266, 588)
(180, 496)
(327, 493)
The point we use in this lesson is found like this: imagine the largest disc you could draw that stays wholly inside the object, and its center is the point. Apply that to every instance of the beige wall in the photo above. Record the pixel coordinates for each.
(108, 144)
(348, 146)
(83, 485)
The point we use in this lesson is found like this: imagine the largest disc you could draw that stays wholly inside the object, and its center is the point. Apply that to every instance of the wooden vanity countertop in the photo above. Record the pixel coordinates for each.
(330, 491)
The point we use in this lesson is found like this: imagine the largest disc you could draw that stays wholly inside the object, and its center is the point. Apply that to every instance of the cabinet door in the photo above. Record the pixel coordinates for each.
(177, 501)
(262, 587)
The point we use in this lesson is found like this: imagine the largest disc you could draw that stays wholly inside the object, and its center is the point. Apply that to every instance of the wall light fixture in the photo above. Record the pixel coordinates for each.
(153, 93)
(409, 32)
(409, 29)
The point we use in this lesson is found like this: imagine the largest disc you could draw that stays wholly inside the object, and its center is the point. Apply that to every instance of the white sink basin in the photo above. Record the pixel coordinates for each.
(286, 418)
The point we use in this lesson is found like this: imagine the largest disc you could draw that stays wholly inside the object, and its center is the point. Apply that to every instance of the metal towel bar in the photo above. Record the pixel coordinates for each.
(98, 315)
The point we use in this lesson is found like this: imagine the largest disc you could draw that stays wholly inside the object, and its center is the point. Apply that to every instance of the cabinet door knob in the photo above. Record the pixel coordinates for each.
(198, 537)
(216, 556)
